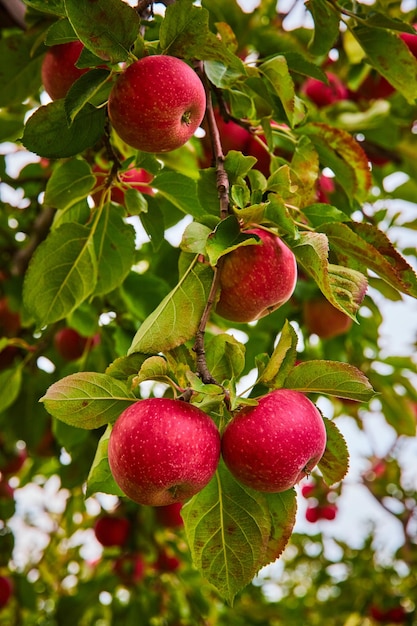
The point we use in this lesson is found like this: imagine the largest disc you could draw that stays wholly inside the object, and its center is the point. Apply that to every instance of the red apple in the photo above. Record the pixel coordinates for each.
(132, 177)
(411, 41)
(111, 530)
(163, 451)
(272, 446)
(323, 95)
(9, 320)
(312, 514)
(157, 104)
(257, 279)
(130, 568)
(166, 562)
(170, 515)
(325, 186)
(308, 490)
(6, 590)
(58, 68)
(329, 511)
(6, 490)
(71, 345)
(12, 461)
(323, 319)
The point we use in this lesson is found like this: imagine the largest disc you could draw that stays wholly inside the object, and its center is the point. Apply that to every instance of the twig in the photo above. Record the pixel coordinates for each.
(41, 227)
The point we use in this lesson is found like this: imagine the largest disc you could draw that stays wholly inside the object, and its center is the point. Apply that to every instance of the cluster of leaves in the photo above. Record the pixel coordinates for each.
(65, 262)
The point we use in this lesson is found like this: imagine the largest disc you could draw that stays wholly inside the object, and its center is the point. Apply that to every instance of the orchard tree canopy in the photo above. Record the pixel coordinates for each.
(205, 209)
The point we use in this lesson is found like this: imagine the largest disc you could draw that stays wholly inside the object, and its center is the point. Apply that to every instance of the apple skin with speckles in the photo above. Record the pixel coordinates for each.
(157, 104)
(163, 451)
(256, 279)
(272, 446)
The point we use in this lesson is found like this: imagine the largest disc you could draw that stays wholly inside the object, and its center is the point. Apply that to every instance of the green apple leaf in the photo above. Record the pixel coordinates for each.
(62, 274)
(333, 378)
(226, 237)
(334, 463)
(92, 87)
(87, 399)
(364, 246)
(320, 213)
(282, 359)
(20, 69)
(176, 318)
(228, 527)
(60, 32)
(326, 26)
(281, 84)
(282, 509)
(70, 182)
(181, 191)
(237, 165)
(153, 222)
(343, 287)
(100, 479)
(194, 238)
(125, 367)
(153, 368)
(108, 28)
(114, 243)
(225, 357)
(53, 7)
(10, 385)
(388, 54)
(48, 134)
(338, 150)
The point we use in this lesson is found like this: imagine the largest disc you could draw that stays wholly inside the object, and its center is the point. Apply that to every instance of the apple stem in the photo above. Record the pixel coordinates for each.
(202, 369)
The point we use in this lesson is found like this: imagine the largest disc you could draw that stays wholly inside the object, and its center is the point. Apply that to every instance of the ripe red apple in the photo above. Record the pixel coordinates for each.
(329, 511)
(132, 177)
(312, 514)
(163, 451)
(255, 280)
(71, 345)
(112, 530)
(58, 68)
(323, 95)
(130, 568)
(323, 319)
(308, 490)
(411, 41)
(325, 186)
(272, 446)
(166, 562)
(6, 590)
(157, 104)
(170, 515)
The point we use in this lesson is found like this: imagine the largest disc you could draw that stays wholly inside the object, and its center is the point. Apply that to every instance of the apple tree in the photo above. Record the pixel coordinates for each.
(202, 220)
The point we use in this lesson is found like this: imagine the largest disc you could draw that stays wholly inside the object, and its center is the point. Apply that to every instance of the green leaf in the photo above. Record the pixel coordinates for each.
(176, 318)
(108, 28)
(194, 238)
(364, 246)
(326, 26)
(388, 54)
(181, 191)
(100, 479)
(124, 367)
(153, 223)
(320, 213)
(61, 274)
(226, 237)
(283, 509)
(228, 527)
(20, 68)
(153, 368)
(282, 359)
(343, 287)
(92, 87)
(280, 83)
(87, 399)
(114, 243)
(70, 182)
(53, 7)
(225, 357)
(333, 378)
(10, 385)
(334, 463)
(60, 32)
(48, 135)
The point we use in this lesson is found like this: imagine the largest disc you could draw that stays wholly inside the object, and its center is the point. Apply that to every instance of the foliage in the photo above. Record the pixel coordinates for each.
(107, 268)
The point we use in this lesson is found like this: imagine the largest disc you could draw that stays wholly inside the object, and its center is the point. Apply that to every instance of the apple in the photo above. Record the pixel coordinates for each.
(323, 94)
(130, 568)
(9, 319)
(12, 461)
(132, 177)
(6, 590)
(6, 490)
(157, 104)
(411, 41)
(308, 490)
(312, 514)
(329, 511)
(163, 451)
(272, 446)
(323, 319)
(256, 279)
(325, 186)
(166, 562)
(58, 68)
(71, 345)
(111, 530)
(170, 515)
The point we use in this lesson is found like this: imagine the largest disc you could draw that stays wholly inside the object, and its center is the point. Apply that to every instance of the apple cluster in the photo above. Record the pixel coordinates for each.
(163, 451)
(321, 501)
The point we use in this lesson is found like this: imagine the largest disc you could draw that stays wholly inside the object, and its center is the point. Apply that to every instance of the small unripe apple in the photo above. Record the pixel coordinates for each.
(272, 446)
(157, 104)
(323, 319)
(163, 451)
(6, 590)
(256, 279)
(322, 94)
(132, 177)
(58, 68)
(111, 530)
